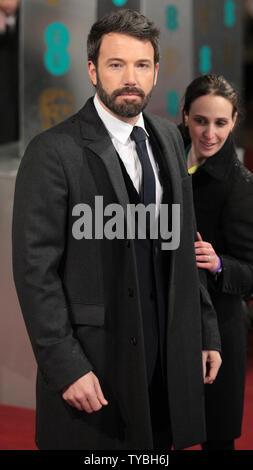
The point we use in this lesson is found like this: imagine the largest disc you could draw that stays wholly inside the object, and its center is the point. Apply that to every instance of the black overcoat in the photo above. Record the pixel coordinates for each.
(80, 298)
(223, 199)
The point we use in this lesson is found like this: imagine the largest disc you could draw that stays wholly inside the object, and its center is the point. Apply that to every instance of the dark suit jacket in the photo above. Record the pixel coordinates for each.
(80, 298)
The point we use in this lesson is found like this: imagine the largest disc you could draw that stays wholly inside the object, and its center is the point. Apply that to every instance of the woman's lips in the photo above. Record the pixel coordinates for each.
(208, 144)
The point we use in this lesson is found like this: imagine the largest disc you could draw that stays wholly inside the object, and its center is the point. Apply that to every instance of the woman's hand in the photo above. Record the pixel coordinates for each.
(205, 255)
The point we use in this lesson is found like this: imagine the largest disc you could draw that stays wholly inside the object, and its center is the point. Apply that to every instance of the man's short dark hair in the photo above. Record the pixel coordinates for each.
(128, 22)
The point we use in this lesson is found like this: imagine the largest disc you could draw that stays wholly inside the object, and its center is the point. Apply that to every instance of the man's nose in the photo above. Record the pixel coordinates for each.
(129, 76)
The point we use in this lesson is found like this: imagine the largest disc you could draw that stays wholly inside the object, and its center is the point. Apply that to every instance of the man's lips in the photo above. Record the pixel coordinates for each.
(130, 94)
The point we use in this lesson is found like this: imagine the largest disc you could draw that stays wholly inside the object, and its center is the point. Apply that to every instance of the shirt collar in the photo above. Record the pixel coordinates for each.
(118, 129)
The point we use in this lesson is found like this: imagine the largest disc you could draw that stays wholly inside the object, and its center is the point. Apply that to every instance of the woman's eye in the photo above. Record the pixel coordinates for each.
(221, 123)
(200, 121)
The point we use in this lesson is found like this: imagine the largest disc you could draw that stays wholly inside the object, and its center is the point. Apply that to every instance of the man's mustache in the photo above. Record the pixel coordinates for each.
(122, 91)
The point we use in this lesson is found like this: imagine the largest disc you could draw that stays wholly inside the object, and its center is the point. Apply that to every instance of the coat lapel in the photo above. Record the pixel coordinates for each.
(96, 138)
(173, 172)
(170, 158)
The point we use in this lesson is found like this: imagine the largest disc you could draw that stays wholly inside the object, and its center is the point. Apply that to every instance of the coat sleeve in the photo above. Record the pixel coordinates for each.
(39, 236)
(237, 232)
(210, 331)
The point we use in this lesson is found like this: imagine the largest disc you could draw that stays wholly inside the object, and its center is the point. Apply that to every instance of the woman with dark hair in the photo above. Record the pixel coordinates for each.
(223, 199)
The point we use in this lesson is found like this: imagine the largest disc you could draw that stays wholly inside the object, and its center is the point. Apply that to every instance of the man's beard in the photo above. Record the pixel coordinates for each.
(127, 108)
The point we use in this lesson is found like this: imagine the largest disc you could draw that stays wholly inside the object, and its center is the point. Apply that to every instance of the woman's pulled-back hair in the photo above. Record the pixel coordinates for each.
(211, 84)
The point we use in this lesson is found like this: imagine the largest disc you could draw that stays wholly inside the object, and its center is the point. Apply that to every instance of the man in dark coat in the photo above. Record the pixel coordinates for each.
(120, 325)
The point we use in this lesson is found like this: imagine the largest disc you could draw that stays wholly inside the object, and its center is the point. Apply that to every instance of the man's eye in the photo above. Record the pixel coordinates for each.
(115, 66)
(143, 65)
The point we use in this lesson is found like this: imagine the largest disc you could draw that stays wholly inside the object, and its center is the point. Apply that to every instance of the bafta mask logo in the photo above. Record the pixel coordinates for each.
(55, 106)
(204, 17)
(171, 59)
(57, 3)
(229, 54)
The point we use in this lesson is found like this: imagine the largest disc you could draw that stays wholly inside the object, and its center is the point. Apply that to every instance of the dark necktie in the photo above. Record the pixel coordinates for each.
(147, 192)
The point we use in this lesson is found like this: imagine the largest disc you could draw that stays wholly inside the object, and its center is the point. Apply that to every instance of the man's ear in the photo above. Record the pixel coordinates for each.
(156, 73)
(92, 71)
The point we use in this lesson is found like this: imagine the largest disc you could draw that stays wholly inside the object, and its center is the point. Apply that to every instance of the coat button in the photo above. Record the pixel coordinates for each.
(45, 377)
(130, 292)
(133, 340)
(152, 296)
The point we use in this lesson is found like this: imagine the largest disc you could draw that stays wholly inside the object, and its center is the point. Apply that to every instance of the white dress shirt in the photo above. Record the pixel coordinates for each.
(119, 132)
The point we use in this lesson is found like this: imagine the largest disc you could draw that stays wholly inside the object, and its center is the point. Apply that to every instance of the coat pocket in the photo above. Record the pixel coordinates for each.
(87, 314)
